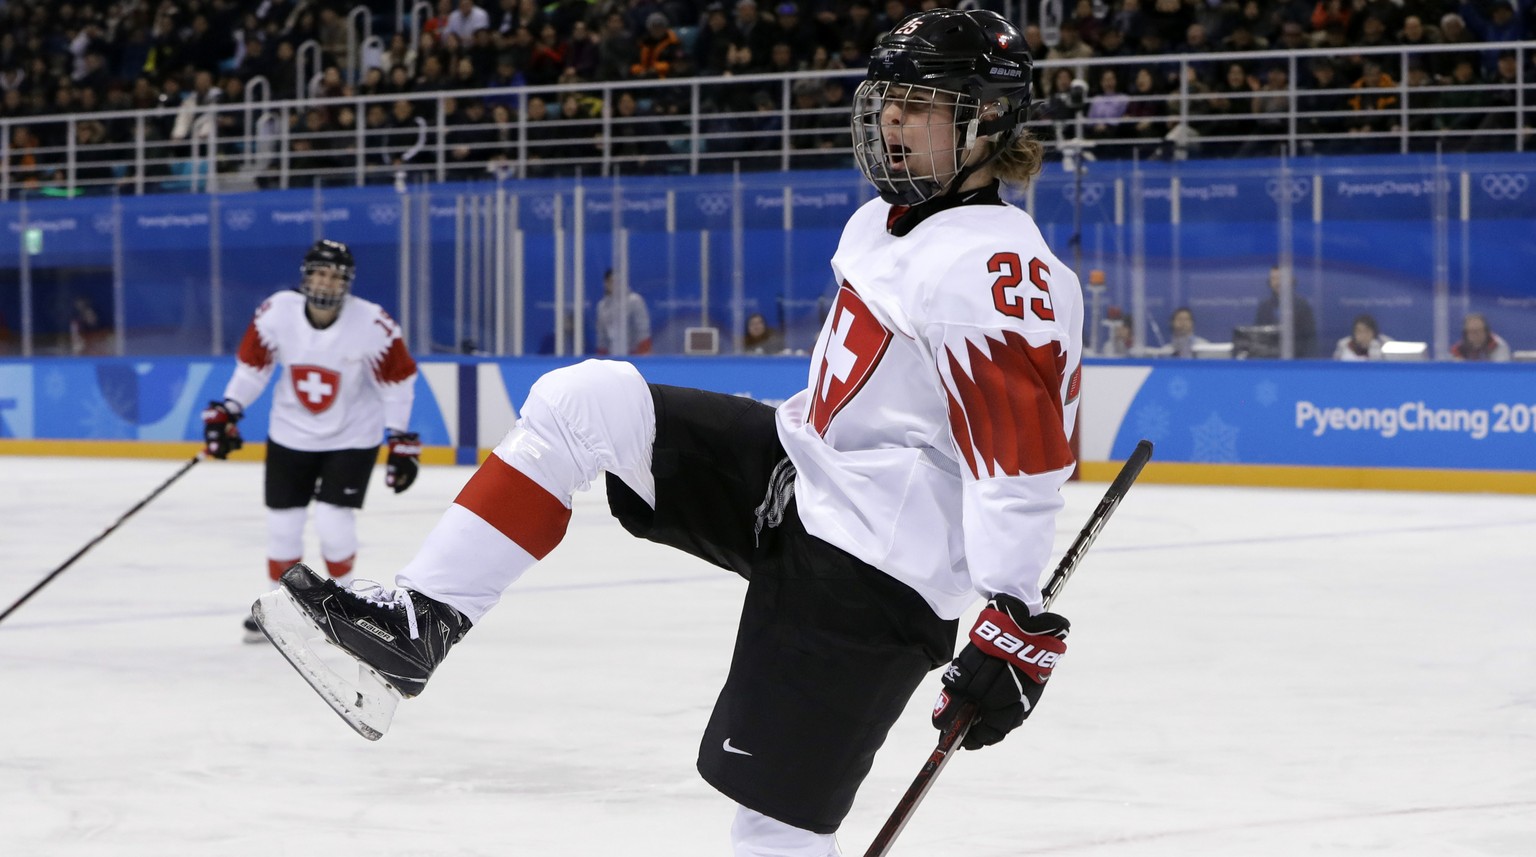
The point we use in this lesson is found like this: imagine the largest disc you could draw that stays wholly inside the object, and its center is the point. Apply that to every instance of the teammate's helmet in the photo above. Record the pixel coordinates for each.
(327, 255)
(975, 60)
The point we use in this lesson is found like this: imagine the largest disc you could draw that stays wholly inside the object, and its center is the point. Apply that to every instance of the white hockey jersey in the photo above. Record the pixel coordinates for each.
(341, 387)
(932, 442)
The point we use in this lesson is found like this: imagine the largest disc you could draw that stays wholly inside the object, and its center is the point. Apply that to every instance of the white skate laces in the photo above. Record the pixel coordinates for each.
(383, 596)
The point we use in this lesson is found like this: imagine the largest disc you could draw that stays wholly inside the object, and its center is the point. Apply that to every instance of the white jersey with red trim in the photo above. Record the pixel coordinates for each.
(932, 442)
(341, 386)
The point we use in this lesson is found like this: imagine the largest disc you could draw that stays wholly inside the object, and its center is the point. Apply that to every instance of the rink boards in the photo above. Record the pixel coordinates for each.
(1421, 426)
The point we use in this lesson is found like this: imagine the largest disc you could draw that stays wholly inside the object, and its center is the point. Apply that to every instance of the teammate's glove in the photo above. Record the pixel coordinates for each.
(220, 435)
(404, 458)
(1002, 670)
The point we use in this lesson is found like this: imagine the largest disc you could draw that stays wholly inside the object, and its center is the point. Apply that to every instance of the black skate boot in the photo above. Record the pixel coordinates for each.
(395, 639)
(253, 631)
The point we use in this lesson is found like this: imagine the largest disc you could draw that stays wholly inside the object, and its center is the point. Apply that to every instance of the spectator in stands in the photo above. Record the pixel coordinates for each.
(1500, 24)
(471, 140)
(1147, 108)
(1364, 341)
(635, 137)
(1376, 113)
(544, 138)
(712, 47)
(759, 338)
(581, 55)
(408, 137)
(547, 61)
(466, 20)
(1107, 107)
(1303, 322)
(623, 322)
(616, 50)
(1479, 342)
(659, 49)
(753, 32)
(1461, 107)
(1503, 97)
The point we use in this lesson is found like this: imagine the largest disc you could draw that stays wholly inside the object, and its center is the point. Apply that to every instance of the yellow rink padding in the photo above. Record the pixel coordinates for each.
(166, 449)
(1295, 476)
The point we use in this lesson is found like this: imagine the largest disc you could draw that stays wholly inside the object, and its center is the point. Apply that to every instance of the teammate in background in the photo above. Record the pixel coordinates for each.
(919, 470)
(1479, 342)
(348, 379)
(623, 327)
(1364, 341)
(1303, 322)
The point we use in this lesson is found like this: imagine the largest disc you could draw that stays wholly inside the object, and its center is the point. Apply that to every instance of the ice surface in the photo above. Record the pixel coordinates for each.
(1252, 672)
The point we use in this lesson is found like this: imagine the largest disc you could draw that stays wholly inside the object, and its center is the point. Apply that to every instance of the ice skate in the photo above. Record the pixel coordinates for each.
(394, 639)
(253, 633)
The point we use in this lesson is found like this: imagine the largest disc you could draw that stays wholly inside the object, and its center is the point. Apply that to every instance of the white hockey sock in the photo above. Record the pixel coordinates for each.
(756, 835)
(577, 422)
(285, 539)
(337, 527)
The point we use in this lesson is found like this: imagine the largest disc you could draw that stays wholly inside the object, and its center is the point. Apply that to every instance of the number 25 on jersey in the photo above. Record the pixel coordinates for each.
(1005, 289)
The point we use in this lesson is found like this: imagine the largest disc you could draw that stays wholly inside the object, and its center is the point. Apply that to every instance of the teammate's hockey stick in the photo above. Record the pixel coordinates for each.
(104, 533)
(951, 737)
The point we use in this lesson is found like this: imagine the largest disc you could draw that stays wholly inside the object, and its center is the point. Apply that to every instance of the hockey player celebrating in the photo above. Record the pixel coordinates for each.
(918, 470)
(347, 378)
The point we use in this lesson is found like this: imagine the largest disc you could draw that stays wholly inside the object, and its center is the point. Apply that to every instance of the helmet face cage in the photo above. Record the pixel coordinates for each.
(937, 125)
(974, 60)
(327, 256)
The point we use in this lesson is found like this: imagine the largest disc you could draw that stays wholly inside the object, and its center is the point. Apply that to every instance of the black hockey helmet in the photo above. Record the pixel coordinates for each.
(327, 255)
(978, 59)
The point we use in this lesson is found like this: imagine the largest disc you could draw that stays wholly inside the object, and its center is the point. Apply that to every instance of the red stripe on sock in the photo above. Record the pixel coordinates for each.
(516, 506)
(340, 566)
(276, 567)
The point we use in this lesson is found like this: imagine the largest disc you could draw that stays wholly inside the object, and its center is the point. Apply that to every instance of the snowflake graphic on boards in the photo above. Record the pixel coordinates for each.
(1178, 388)
(1152, 422)
(1266, 393)
(1215, 441)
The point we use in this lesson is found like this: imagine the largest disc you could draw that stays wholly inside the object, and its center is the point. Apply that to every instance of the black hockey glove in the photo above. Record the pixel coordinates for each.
(404, 458)
(1002, 670)
(220, 434)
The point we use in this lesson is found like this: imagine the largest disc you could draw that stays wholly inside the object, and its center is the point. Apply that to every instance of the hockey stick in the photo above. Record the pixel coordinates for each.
(955, 732)
(104, 533)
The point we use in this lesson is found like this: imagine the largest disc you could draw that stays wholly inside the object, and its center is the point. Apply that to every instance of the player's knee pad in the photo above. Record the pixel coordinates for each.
(601, 413)
(756, 835)
(337, 527)
(285, 533)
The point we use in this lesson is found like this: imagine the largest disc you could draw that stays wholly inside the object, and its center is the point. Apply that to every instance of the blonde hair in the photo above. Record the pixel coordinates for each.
(1021, 162)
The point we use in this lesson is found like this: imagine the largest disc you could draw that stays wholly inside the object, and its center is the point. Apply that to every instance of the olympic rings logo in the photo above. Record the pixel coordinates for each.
(1504, 185)
(1296, 192)
(1093, 193)
(712, 204)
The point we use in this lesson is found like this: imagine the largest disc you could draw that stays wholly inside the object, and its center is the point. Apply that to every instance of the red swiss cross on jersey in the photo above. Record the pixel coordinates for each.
(316, 386)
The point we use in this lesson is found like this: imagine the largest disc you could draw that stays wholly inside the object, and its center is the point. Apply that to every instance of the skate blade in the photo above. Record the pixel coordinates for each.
(365, 701)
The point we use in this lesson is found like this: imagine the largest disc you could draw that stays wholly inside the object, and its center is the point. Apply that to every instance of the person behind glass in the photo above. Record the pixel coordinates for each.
(759, 338)
(1364, 341)
(1303, 323)
(1121, 339)
(1479, 342)
(348, 382)
(1182, 337)
(623, 325)
(917, 472)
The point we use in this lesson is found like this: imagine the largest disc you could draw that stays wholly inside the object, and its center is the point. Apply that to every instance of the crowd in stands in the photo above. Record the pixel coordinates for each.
(163, 55)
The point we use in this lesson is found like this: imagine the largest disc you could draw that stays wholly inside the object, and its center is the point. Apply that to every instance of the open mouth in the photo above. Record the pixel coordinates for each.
(896, 156)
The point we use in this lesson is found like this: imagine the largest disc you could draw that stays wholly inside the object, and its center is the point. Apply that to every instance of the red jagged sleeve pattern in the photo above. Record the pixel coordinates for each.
(253, 352)
(1005, 411)
(396, 363)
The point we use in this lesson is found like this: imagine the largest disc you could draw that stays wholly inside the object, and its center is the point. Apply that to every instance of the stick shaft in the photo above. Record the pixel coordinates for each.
(104, 533)
(955, 733)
